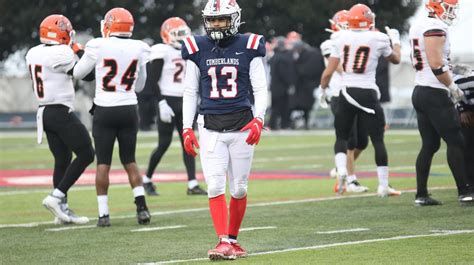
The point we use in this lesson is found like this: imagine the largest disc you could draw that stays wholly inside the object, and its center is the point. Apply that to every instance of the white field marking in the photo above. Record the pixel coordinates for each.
(158, 228)
(343, 231)
(70, 228)
(48, 190)
(256, 228)
(262, 204)
(348, 243)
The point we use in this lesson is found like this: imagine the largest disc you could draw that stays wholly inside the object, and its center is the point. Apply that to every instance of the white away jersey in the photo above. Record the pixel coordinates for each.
(172, 75)
(335, 84)
(359, 52)
(48, 66)
(117, 63)
(427, 26)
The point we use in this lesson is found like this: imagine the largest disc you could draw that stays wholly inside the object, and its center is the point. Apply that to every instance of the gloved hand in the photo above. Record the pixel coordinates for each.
(255, 126)
(76, 47)
(394, 35)
(323, 98)
(190, 141)
(166, 113)
(455, 93)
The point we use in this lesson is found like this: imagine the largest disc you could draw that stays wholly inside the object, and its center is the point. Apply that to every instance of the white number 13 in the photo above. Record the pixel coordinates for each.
(228, 92)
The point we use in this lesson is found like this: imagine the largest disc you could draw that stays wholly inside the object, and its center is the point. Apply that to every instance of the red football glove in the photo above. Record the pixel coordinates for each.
(190, 141)
(255, 127)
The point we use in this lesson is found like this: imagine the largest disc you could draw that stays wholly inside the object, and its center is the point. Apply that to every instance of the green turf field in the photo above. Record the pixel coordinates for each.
(287, 222)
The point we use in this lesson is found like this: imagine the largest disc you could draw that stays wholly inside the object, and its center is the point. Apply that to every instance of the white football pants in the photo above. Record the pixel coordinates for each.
(222, 155)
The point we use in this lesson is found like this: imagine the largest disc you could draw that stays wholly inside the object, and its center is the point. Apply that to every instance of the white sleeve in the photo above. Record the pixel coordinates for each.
(87, 63)
(190, 93)
(258, 80)
(158, 51)
(62, 60)
(384, 44)
(141, 78)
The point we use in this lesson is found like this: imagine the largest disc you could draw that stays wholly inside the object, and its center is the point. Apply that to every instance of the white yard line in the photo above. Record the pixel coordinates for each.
(256, 228)
(70, 228)
(158, 228)
(263, 204)
(343, 231)
(348, 243)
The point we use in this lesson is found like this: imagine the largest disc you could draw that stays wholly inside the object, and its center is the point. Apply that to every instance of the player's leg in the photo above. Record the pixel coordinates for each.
(104, 134)
(343, 122)
(358, 134)
(165, 136)
(468, 133)
(127, 140)
(430, 143)
(189, 161)
(214, 156)
(241, 155)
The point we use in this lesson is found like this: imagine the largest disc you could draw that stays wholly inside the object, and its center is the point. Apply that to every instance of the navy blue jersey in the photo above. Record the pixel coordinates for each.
(224, 84)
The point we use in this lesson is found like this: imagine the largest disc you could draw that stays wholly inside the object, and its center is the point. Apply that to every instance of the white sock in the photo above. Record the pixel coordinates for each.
(232, 241)
(382, 174)
(225, 239)
(102, 200)
(351, 178)
(341, 163)
(138, 191)
(57, 193)
(192, 183)
(146, 179)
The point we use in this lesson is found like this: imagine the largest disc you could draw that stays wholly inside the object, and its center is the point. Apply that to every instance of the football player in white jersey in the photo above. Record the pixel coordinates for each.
(223, 67)
(434, 97)
(359, 49)
(358, 139)
(165, 78)
(120, 71)
(50, 65)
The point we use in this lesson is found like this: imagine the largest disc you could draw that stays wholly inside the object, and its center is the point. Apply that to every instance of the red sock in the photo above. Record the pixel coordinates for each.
(218, 208)
(237, 211)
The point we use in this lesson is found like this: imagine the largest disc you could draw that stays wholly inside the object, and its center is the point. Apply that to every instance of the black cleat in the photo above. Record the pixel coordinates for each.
(150, 189)
(104, 221)
(143, 215)
(196, 191)
(426, 201)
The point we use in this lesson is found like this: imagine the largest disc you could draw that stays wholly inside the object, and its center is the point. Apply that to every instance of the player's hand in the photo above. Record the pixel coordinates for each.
(394, 35)
(76, 47)
(190, 141)
(323, 98)
(455, 93)
(255, 126)
(166, 113)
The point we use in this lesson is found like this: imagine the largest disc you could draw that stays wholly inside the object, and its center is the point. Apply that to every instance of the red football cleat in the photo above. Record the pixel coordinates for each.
(223, 251)
(239, 251)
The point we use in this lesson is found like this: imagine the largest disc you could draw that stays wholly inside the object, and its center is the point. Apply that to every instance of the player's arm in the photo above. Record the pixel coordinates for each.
(434, 53)
(394, 39)
(86, 64)
(333, 64)
(190, 93)
(154, 69)
(258, 81)
(395, 57)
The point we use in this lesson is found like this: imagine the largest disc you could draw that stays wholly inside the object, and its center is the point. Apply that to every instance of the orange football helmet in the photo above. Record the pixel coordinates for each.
(444, 10)
(173, 31)
(117, 22)
(56, 29)
(360, 17)
(339, 20)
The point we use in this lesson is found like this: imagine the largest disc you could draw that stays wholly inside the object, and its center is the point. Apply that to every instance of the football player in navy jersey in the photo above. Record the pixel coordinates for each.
(222, 68)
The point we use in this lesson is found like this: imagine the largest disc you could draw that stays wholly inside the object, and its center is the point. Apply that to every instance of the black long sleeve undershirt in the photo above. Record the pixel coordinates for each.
(153, 71)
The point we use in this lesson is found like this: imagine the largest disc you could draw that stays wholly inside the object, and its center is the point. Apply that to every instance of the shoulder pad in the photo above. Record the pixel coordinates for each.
(336, 35)
(327, 47)
(433, 23)
(256, 43)
(190, 46)
(62, 58)
(158, 51)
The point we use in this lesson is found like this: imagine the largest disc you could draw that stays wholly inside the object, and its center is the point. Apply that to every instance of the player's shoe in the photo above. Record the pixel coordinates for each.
(74, 218)
(387, 191)
(340, 185)
(150, 189)
(223, 251)
(53, 204)
(197, 190)
(333, 173)
(426, 201)
(104, 221)
(466, 198)
(355, 187)
(143, 215)
(239, 250)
